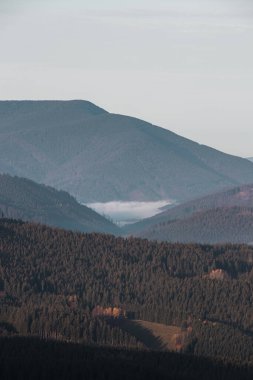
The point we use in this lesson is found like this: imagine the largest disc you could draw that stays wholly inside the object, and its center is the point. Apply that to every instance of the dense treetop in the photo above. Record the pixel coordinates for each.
(43, 268)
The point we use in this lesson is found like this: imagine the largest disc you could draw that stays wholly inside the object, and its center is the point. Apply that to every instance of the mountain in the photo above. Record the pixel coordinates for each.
(221, 225)
(250, 158)
(98, 156)
(223, 217)
(24, 199)
(218, 218)
(101, 290)
(240, 196)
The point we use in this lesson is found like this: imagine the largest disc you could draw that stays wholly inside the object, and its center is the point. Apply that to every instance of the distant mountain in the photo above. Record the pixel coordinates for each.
(250, 158)
(241, 196)
(97, 156)
(221, 225)
(24, 199)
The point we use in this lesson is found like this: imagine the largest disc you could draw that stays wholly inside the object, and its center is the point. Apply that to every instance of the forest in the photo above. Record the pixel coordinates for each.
(51, 281)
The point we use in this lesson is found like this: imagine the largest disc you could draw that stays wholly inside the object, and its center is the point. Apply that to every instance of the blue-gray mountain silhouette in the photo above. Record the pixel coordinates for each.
(223, 217)
(98, 156)
(21, 198)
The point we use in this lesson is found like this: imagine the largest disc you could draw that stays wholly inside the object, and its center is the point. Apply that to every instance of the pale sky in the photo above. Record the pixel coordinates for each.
(185, 65)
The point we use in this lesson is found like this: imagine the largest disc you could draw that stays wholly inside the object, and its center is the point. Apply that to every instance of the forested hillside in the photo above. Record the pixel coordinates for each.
(219, 225)
(52, 280)
(222, 217)
(98, 156)
(239, 196)
(24, 199)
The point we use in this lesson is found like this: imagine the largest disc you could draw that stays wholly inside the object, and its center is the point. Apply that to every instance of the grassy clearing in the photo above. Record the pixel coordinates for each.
(155, 336)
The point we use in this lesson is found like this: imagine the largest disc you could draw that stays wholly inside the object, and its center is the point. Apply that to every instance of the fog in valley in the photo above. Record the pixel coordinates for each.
(123, 213)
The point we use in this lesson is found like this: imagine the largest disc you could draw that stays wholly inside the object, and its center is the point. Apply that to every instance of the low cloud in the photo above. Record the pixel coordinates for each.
(124, 212)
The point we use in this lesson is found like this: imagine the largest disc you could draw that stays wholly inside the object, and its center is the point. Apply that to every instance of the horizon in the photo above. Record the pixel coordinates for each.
(186, 66)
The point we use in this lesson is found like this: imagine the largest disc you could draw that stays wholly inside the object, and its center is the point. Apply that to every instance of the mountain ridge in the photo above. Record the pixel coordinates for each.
(24, 199)
(100, 156)
(222, 225)
(219, 217)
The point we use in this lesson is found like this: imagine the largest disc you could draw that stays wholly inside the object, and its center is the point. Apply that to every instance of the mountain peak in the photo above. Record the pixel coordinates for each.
(28, 106)
(99, 156)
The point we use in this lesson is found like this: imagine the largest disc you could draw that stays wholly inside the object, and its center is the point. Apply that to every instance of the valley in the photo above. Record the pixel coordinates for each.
(126, 190)
(143, 245)
(124, 213)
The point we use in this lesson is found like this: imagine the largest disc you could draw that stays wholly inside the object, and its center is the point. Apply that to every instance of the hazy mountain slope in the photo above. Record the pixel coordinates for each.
(98, 156)
(27, 200)
(241, 196)
(221, 225)
(250, 158)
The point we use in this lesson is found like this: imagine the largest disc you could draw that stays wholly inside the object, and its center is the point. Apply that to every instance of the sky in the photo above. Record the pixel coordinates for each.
(185, 65)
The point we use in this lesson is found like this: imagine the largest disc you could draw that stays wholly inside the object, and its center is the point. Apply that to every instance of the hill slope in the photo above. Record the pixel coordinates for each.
(51, 281)
(240, 196)
(21, 198)
(98, 156)
(221, 225)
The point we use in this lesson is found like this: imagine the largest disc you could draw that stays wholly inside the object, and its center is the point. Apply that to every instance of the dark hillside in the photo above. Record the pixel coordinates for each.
(30, 358)
(240, 196)
(53, 282)
(24, 199)
(219, 225)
